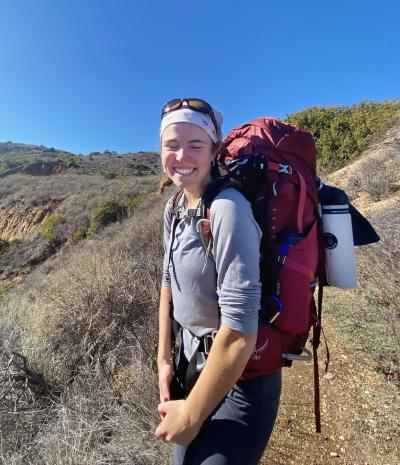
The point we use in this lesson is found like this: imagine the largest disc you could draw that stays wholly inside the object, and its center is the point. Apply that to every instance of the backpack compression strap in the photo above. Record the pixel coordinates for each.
(258, 162)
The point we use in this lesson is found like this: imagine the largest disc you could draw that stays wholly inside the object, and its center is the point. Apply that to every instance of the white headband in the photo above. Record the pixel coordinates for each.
(202, 120)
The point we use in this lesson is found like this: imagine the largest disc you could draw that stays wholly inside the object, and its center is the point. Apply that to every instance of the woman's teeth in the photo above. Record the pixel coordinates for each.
(184, 172)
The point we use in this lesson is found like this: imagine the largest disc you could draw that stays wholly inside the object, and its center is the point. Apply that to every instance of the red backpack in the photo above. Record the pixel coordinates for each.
(275, 164)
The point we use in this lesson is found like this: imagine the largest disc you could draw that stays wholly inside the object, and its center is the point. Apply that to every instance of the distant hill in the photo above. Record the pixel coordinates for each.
(49, 197)
(38, 160)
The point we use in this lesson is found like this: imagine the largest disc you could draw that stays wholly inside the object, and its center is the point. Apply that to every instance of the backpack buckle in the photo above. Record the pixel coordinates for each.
(304, 356)
(192, 212)
(208, 341)
(285, 169)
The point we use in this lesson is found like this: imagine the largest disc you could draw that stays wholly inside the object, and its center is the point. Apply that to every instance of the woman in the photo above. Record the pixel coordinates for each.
(225, 420)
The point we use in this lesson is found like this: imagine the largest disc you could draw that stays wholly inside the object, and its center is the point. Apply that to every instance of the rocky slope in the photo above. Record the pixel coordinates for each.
(20, 220)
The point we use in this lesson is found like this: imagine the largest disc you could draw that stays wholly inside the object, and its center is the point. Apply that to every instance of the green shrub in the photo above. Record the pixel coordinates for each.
(4, 246)
(109, 211)
(47, 228)
(77, 236)
(108, 175)
(134, 203)
(70, 161)
(341, 132)
(139, 169)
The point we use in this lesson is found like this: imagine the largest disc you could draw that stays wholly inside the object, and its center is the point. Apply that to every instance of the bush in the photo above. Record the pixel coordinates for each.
(47, 229)
(91, 311)
(70, 161)
(77, 236)
(109, 211)
(4, 246)
(341, 133)
(108, 175)
(139, 169)
(370, 314)
(134, 203)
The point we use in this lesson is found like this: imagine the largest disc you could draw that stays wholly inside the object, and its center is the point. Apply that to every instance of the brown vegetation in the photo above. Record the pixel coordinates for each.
(370, 314)
(86, 323)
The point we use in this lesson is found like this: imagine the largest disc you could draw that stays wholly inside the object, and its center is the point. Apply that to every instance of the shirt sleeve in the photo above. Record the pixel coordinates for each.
(236, 250)
(166, 278)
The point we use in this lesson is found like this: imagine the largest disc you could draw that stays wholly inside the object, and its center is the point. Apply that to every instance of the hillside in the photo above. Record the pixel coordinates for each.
(38, 160)
(341, 132)
(39, 184)
(80, 266)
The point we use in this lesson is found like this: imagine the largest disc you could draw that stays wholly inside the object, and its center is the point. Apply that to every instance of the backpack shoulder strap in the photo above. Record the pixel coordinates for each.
(174, 204)
(204, 224)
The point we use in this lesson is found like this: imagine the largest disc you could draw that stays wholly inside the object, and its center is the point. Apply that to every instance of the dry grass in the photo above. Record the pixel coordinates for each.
(378, 173)
(86, 322)
(99, 419)
(370, 315)
(37, 160)
(85, 303)
(98, 424)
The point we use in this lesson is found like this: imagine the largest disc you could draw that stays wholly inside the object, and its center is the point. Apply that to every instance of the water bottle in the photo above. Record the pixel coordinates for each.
(338, 238)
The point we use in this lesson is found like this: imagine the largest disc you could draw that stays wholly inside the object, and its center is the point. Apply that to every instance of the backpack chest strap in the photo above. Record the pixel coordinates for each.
(180, 212)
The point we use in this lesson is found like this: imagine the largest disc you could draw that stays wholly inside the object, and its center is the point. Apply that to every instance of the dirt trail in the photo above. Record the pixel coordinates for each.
(360, 412)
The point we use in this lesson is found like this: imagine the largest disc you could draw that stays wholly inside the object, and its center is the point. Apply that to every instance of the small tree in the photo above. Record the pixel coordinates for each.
(48, 226)
(109, 211)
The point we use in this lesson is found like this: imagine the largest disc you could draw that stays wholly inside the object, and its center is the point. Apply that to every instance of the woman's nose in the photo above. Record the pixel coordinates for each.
(181, 154)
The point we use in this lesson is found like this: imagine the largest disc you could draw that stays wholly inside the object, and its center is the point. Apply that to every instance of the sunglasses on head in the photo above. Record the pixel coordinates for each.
(195, 104)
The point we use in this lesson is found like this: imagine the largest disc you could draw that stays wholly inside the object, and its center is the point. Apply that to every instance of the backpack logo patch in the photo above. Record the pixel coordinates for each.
(256, 355)
(330, 241)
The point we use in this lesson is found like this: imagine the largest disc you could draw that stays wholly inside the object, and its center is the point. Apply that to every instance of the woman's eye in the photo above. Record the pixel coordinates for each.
(196, 147)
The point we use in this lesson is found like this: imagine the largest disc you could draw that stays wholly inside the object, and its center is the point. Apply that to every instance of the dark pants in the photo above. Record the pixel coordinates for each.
(238, 430)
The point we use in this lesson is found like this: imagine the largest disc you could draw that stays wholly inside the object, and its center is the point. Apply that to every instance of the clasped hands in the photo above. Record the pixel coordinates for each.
(176, 425)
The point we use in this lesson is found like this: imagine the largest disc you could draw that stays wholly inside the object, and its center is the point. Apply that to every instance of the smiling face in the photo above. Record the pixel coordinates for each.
(186, 155)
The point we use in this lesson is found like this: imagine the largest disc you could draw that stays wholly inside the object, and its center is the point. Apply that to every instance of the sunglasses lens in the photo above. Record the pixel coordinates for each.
(199, 105)
(171, 105)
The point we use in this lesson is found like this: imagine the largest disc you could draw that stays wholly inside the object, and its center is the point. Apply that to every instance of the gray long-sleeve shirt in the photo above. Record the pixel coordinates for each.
(229, 278)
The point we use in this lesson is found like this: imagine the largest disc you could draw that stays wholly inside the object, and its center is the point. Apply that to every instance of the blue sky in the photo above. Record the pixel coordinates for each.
(92, 75)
